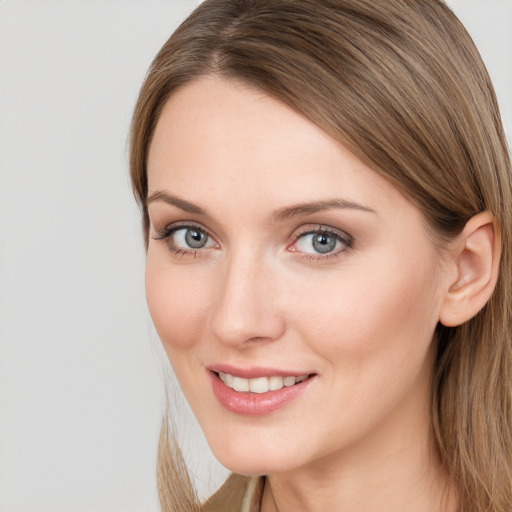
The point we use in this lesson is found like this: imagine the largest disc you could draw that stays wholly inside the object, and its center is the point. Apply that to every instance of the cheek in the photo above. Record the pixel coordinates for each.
(177, 301)
(369, 313)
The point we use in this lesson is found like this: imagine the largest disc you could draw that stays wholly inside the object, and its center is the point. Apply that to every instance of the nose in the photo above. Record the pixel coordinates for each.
(246, 304)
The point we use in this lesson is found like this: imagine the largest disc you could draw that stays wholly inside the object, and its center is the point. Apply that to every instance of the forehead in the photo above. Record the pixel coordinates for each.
(218, 141)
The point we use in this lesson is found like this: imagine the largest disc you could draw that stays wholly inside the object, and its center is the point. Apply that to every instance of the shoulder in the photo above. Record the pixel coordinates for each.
(238, 494)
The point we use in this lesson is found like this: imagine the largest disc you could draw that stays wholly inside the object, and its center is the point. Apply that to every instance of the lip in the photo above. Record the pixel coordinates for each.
(255, 404)
(255, 372)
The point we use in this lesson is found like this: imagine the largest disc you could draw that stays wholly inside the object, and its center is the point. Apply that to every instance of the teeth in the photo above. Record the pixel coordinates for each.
(260, 384)
(240, 384)
(228, 380)
(275, 383)
(289, 381)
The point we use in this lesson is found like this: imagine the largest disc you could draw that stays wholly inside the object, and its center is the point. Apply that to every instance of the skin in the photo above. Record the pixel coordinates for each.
(361, 318)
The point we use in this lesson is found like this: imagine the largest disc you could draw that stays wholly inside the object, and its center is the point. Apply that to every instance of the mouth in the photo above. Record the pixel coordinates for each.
(257, 391)
(260, 385)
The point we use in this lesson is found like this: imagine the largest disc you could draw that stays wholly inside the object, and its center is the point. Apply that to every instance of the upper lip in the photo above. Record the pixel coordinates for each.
(255, 372)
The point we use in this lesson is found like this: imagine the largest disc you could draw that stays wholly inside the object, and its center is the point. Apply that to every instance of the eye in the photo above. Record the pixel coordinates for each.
(185, 239)
(191, 238)
(321, 242)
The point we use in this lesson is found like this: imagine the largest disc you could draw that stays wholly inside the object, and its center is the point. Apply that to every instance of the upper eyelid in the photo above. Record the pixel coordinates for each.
(343, 237)
(175, 226)
(293, 237)
(165, 234)
(322, 229)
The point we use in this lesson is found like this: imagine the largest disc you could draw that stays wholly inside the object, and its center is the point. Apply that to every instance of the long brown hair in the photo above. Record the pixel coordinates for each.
(401, 84)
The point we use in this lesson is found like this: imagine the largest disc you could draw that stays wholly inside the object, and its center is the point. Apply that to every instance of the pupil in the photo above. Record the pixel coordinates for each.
(324, 243)
(195, 238)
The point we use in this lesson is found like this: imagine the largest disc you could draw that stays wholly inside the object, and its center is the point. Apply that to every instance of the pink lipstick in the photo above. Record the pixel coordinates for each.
(256, 392)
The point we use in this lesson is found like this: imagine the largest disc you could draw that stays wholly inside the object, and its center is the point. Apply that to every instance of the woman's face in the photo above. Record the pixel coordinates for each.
(276, 253)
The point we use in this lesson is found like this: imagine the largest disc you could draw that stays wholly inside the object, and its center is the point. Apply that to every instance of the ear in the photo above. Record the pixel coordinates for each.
(474, 259)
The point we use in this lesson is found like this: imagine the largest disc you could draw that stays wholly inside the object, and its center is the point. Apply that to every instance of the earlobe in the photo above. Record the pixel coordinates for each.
(476, 257)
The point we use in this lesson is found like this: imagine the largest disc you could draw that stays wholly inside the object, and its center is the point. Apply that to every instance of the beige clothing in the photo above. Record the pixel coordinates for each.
(239, 494)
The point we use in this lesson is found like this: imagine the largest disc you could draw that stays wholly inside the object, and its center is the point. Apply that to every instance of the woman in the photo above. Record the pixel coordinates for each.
(326, 199)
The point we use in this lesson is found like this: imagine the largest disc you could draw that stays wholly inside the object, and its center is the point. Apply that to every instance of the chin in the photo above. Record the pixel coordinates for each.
(252, 458)
(250, 466)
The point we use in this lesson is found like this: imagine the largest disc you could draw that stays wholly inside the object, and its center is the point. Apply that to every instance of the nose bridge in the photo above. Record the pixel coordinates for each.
(245, 305)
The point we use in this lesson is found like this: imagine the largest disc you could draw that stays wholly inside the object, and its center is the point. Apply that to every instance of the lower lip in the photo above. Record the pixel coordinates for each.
(255, 404)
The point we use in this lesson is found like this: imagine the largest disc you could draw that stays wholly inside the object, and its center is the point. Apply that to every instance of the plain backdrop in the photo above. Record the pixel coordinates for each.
(80, 366)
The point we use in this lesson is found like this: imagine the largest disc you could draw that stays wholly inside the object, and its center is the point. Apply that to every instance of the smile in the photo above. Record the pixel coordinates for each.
(260, 384)
(259, 395)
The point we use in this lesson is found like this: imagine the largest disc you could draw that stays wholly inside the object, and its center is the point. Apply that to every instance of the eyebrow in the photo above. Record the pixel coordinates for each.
(186, 206)
(276, 216)
(317, 206)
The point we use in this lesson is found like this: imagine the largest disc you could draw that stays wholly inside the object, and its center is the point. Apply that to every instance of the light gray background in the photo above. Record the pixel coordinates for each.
(80, 367)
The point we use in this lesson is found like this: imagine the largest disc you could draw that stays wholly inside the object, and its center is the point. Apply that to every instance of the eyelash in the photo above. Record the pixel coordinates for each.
(165, 235)
(344, 238)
